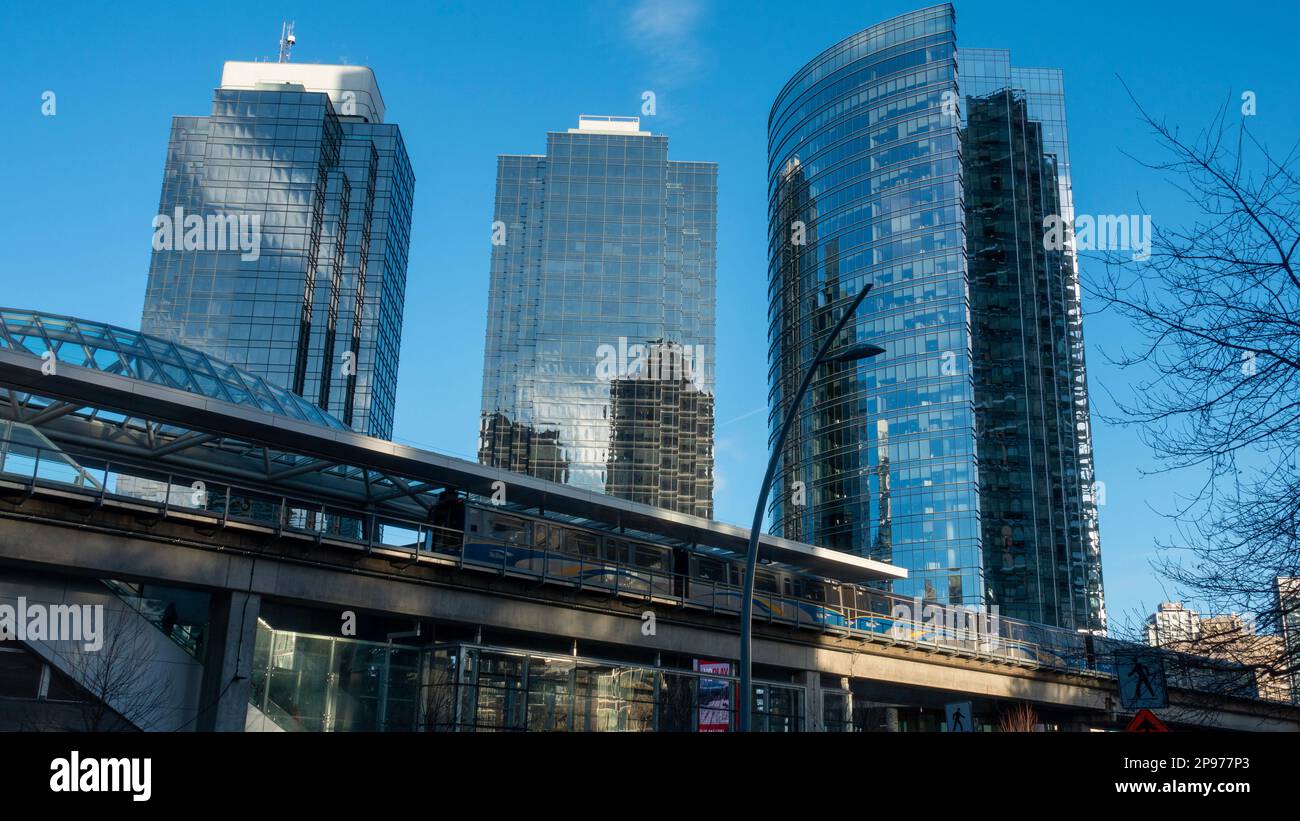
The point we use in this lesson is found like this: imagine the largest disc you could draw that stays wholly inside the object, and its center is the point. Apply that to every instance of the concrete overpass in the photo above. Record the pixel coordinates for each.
(243, 568)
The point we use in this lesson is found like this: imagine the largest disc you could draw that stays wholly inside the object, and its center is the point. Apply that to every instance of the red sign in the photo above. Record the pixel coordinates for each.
(1146, 722)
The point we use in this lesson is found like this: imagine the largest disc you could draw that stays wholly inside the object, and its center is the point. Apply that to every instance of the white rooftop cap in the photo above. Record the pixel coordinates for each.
(604, 124)
(352, 89)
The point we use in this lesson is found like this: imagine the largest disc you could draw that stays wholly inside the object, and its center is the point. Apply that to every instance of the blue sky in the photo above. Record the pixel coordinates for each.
(469, 80)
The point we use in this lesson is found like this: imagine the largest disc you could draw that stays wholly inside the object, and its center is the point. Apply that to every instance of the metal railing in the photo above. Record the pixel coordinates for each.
(188, 636)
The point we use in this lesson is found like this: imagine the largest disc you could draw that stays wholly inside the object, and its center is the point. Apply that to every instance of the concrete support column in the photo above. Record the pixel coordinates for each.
(891, 719)
(227, 666)
(812, 682)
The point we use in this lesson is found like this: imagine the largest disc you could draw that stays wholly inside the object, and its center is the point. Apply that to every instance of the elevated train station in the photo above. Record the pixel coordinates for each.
(276, 571)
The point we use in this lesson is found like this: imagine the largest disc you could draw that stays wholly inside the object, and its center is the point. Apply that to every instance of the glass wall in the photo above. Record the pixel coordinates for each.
(310, 683)
(473, 688)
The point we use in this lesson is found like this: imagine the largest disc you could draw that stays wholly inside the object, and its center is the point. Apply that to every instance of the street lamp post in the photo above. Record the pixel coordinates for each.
(850, 353)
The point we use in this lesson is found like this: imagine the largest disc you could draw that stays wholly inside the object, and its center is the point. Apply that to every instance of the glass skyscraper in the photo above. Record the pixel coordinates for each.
(963, 453)
(299, 161)
(598, 365)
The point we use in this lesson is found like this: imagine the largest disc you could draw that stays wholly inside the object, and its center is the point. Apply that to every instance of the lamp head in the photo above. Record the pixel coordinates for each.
(855, 352)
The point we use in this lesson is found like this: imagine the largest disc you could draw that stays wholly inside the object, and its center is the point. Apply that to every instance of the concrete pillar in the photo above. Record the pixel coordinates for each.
(891, 719)
(812, 682)
(227, 664)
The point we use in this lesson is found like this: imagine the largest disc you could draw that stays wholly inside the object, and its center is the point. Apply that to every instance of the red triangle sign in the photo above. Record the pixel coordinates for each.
(1146, 722)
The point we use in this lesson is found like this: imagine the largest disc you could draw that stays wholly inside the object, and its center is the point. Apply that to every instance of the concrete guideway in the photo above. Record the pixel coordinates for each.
(245, 571)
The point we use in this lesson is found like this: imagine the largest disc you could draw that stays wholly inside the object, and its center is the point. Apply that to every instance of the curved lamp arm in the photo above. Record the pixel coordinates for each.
(850, 352)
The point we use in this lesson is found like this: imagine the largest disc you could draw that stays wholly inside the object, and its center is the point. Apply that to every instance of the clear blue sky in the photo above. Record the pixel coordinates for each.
(468, 80)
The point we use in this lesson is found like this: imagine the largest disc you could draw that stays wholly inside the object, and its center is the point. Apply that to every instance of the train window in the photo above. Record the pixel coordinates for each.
(617, 550)
(650, 558)
(508, 530)
(765, 582)
(581, 544)
(814, 591)
(857, 598)
(711, 570)
(540, 536)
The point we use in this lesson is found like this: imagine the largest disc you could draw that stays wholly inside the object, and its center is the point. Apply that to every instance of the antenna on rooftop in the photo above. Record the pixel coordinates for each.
(286, 42)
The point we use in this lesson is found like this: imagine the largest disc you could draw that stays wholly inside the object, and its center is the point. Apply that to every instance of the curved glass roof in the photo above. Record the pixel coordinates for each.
(124, 352)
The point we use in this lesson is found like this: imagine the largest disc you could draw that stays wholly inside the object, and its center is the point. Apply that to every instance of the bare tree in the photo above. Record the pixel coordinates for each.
(1020, 718)
(1217, 305)
(439, 695)
(120, 677)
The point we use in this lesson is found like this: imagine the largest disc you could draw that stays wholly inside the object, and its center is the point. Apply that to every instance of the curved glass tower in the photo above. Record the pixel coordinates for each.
(864, 180)
(873, 178)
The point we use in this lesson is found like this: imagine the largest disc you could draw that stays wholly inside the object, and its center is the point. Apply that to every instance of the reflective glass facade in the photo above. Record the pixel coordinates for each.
(303, 682)
(311, 683)
(472, 688)
(865, 187)
(317, 307)
(603, 249)
(1037, 507)
(875, 179)
(661, 432)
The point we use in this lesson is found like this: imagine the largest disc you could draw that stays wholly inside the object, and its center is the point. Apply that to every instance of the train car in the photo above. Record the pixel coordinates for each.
(1017, 640)
(523, 544)
(871, 610)
(716, 583)
(509, 541)
(1064, 648)
(820, 601)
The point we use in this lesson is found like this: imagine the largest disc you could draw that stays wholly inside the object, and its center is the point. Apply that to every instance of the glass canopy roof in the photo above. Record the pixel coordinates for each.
(115, 350)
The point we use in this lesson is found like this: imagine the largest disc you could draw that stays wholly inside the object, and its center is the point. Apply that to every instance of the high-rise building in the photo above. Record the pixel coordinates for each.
(603, 268)
(1038, 496)
(1172, 623)
(1288, 610)
(900, 162)
(661, 428)
(281, 240)
(1229, 637)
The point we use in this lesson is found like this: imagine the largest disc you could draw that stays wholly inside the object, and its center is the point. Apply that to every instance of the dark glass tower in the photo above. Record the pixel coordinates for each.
(301, 154)
(661, 430)
(964, 452)
(1038, 514)
(603, 252)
